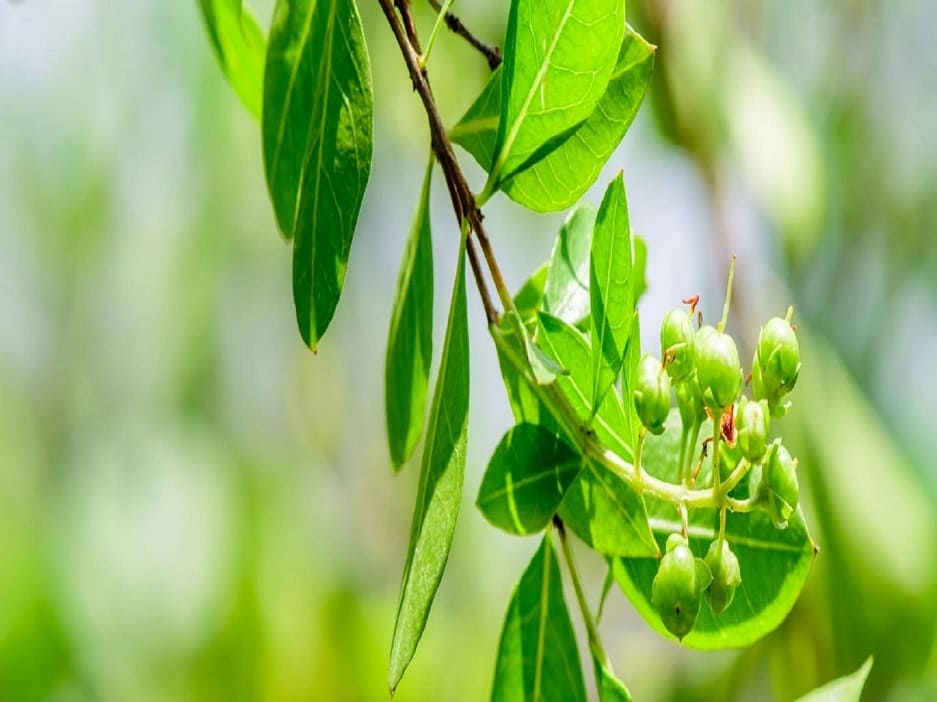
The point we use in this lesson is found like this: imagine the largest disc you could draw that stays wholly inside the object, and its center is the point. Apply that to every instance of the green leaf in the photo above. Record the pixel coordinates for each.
(549, 83)
(845, 689)
(561, 177)
(612, 291)
(611, 689)
(537, 657)
(774, 562)
(566, 291)
(608, 514)
(440, 491)
(571, 349)
(317, 140)
(240, 47)
(526, 479)
(529, 299)
(410, 341)
(639, 274)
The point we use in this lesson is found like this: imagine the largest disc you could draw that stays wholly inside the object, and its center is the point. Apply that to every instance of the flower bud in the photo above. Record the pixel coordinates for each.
(678, 586)
(726, 576)
(776, 366)
(652, 394)
(676, 340)
(718, 368)
(752, 424)
(690, 401)
(782, 488)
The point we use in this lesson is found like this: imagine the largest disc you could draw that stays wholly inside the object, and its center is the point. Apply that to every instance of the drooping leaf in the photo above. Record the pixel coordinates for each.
(561, 177)
(440, 490)
(240, 47)
(611, 288)
(845, 689)
(608, 514)
(522, 395)
(774, 563)
(410, 341)
(639, 274)
(317, 140)
(526, 479)
(566, 291)
(537, 657)
(611, 689)
(549, 83)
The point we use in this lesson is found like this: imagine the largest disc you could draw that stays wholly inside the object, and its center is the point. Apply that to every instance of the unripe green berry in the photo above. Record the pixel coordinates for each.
(726, 576)
(776, 365)
(652, 394)
(752, 424)
(718, 368)
(676, 339)
(690, 400)
(678, 586)
(783, 491)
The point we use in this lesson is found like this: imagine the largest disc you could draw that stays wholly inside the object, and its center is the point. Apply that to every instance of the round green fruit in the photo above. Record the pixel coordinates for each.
(726, 576)
(678, 586)
(676, 341)
(718, 368)
(752, 424)
(652, 394)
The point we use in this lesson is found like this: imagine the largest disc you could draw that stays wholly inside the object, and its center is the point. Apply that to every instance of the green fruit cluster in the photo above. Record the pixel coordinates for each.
(701, 369)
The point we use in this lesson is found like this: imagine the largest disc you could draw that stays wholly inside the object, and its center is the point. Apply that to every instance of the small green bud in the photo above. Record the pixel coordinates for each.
(718, 368)
(676, 340)
(783, 491)
(752, 424)
(690, 400)
(776, 366)
(678, 586)
(652, 394)
(726, 576)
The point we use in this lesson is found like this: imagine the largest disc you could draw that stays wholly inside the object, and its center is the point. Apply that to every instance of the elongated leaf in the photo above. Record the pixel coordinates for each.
(639, 274)
(317, 139)
(410, 342)
(526, 479)
(240, 47)
(845, 689)
(611, 689)
(561, 177)
(440, 492)
(611, 286)
(537, 657)
(550, 84)
(566, 292)
(774, 563)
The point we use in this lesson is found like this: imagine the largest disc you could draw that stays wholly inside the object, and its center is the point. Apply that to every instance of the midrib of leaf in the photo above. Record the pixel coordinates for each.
(667, 526)
(324, 83)
(535, 86)
(542, 623)
(284, 113)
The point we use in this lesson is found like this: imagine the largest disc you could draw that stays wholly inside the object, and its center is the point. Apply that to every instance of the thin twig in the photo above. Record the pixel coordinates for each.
(491, 52)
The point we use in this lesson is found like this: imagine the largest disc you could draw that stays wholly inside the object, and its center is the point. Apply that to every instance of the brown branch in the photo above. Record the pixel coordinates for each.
(491, 52)
(463, 202)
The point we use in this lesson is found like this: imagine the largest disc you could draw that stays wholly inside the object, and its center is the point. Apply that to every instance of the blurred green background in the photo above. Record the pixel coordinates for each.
(194, 507)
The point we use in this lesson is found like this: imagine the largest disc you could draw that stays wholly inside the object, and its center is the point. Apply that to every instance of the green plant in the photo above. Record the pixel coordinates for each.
(598, 449)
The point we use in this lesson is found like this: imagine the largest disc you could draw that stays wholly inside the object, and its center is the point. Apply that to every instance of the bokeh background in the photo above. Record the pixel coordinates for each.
(194, 507)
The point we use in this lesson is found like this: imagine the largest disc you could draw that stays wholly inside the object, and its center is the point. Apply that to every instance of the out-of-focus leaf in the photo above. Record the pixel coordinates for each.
(549, 83)
(537, 657)
(317, 140)
(559, 179)
(566, 291)
(440, 491)
(845, 689)
(526, 479)
(639, 273)
(611, 689)
(774, 562)
(611, 288)
(410, 341)
(240, 47)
